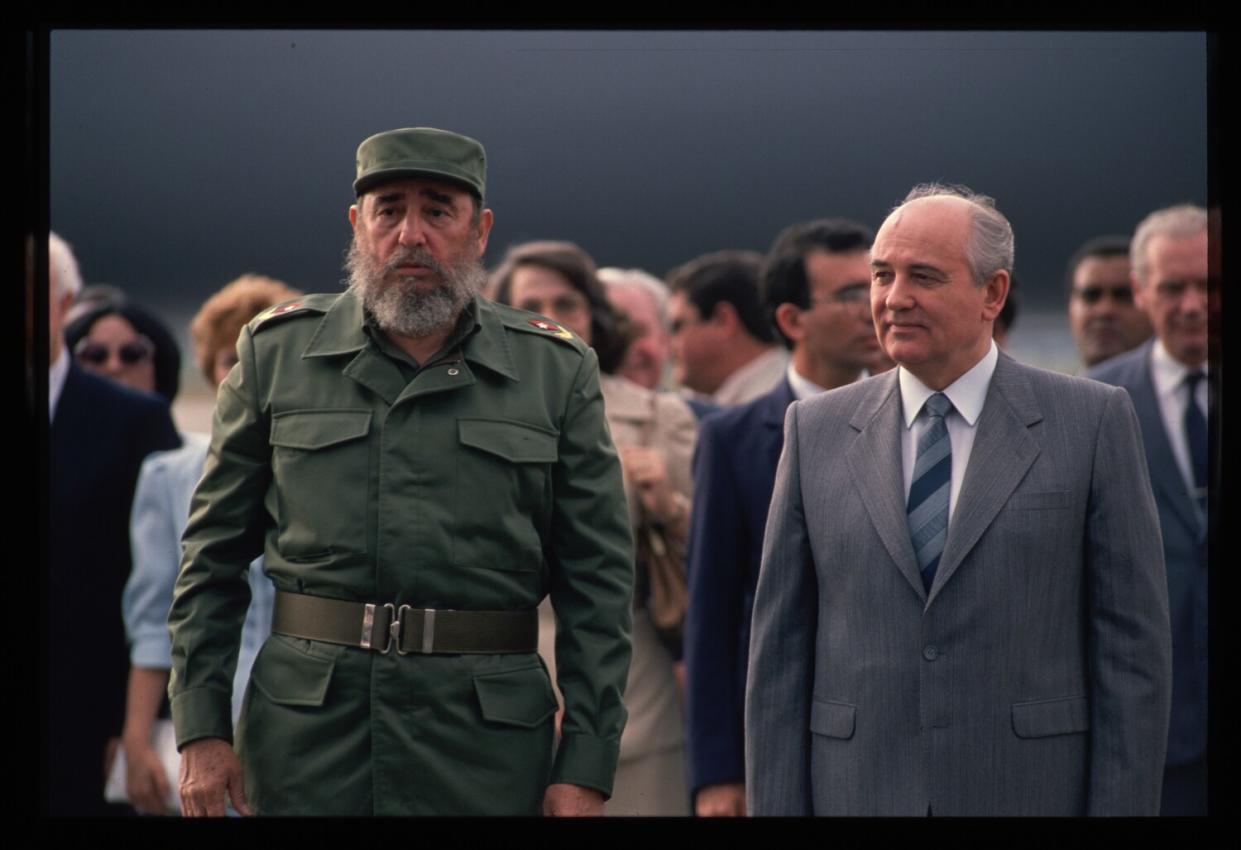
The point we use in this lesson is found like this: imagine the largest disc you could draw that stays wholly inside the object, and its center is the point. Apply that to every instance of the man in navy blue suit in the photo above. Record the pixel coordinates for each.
(816, 289)
(1167, 380)
(99, 434)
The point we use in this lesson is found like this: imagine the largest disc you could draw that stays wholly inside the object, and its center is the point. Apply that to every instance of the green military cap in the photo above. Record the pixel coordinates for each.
(421, 152)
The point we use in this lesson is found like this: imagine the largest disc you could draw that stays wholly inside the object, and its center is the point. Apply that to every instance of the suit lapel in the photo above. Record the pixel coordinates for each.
(1002, 454)
(875, 461)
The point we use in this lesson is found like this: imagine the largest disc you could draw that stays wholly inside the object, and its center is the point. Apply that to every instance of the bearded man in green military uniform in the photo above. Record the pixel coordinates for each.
(420, 467)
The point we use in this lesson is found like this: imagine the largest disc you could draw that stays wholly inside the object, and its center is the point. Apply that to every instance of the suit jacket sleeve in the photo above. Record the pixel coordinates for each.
(1130, 638)
(156, 431)
(225, 533)
(782, 650)
(591, 559)
(716, 574)
(156, 548)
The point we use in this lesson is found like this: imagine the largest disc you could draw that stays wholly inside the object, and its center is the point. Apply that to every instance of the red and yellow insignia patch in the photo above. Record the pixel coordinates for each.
(552, 328)
(284, 308)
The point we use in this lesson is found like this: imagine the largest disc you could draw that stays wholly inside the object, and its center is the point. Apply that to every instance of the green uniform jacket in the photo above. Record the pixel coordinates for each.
(485, 483)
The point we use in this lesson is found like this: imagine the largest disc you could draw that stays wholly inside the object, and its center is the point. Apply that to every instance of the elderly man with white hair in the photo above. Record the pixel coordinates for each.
(99, 434)
(1168, 378)
(644, 299)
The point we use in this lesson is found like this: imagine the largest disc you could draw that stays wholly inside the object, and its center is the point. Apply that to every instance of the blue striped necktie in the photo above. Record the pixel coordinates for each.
(928, 495)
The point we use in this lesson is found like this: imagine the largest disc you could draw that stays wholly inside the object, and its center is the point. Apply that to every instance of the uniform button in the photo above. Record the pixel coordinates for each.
(929, 652)
(454, 371)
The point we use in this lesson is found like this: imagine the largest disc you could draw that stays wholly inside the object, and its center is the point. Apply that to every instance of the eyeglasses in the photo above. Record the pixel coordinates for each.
(850, 296)
(1121, 293)
(131, 353)
(562, 305)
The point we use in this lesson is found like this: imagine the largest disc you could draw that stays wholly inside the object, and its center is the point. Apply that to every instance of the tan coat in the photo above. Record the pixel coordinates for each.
(650, 777)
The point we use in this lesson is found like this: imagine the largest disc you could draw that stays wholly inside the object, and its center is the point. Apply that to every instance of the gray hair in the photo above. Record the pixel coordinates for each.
(61, 260)
(1175, 222)
(990, 246)
(651, 285)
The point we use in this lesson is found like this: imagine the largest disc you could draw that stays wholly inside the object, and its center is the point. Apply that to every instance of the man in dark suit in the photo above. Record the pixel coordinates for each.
(100, 433)
(962, 607)
(1166, 378)
(816, 288)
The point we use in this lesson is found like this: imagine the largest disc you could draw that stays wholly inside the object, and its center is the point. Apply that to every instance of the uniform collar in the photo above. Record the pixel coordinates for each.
(342, 331)
(489, 347)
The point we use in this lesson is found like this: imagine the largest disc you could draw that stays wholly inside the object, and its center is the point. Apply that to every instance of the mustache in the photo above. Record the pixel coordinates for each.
(416, 256)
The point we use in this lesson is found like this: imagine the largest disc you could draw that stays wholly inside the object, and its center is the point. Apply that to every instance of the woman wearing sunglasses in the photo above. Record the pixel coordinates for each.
(120, 340)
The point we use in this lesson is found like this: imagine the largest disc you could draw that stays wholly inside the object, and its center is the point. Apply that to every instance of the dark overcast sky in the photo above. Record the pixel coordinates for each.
(180, 159)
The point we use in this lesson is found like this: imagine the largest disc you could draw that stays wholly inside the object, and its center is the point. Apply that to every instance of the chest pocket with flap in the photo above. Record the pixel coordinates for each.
(503, 490)
(320, 462)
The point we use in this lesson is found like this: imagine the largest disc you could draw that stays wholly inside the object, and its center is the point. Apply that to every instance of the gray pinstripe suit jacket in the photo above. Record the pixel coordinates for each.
(1035, 677)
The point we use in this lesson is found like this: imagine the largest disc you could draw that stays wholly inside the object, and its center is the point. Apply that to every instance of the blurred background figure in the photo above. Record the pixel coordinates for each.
(643, 298)
(654, 434)
(160, 512)
(1167, 380)
(1103, 319)
(93, 295)
(120, 340)
(1008, 315)
(100, 432)
(722, 342)
(816, 293)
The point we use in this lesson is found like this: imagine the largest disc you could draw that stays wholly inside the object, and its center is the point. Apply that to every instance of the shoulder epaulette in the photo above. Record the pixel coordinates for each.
(305, 305)
(520, 320)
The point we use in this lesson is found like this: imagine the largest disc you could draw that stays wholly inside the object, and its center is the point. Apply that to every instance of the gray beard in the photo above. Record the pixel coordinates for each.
(399, 305)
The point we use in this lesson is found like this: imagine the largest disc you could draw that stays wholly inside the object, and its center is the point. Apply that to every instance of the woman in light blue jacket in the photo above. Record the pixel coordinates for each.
(160, 512)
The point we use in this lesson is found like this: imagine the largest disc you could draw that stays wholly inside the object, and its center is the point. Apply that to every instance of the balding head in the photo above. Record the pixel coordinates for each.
(990, 247)
(940, 275)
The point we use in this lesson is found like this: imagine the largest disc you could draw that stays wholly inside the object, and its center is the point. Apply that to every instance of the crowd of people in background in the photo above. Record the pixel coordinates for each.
(698, 367)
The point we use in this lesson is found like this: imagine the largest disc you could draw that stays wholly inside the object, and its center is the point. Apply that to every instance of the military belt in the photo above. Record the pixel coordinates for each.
(384, 626)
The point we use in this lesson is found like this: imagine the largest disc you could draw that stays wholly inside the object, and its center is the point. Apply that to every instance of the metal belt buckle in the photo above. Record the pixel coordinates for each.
(368, 627)
(394, 629)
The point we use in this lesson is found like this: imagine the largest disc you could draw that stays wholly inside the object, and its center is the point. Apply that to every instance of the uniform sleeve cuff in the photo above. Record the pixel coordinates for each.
(202, 713)
(587, 761)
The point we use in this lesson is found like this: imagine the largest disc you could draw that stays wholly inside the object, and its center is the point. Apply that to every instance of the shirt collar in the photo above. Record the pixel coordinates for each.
(56, 375)
(731, 391)
(803, 387)
(1168, 373)
(967, 393)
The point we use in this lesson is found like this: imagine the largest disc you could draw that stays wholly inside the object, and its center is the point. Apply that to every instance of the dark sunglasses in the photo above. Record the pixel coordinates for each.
(131, 353)
(1121, 293)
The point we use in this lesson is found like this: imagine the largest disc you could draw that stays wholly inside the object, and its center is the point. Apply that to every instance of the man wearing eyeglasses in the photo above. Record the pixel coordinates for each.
(816, 289)
(1167, 379)
(1102, 316)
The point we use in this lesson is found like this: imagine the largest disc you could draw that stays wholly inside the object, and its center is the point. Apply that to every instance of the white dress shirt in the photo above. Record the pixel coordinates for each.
(754, 379)
(1168, 376)
(803, 387)
(56, 375)
(967, 394)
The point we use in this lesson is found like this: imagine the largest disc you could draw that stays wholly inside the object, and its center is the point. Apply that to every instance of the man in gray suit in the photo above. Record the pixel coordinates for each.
(961, 608)
(1167, 380)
